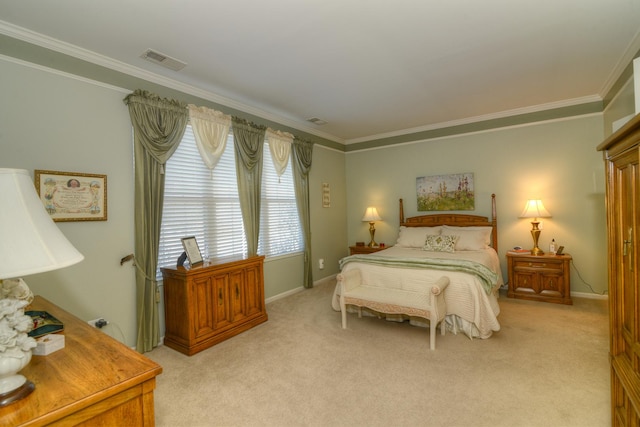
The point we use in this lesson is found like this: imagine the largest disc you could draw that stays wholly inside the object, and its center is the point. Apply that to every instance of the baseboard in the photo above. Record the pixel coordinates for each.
(284, 294)
(298, 289)
(589, 295)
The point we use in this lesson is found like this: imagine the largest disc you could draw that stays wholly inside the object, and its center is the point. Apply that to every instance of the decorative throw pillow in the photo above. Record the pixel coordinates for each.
(440, 243)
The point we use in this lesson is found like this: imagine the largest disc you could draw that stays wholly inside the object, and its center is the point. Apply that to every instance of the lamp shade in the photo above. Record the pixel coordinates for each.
(30, 242)
(535, 209)
(371, 214)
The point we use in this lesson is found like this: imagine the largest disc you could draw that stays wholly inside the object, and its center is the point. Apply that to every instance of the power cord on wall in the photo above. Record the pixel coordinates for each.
(605, 292)
(107, 328)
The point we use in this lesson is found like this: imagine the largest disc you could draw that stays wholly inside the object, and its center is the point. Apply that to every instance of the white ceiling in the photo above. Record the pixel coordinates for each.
(370, 68)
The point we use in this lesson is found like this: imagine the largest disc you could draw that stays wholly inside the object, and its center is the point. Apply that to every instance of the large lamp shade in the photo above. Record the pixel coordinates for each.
(30, 242)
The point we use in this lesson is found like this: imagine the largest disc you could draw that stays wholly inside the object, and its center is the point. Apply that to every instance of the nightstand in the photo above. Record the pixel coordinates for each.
(353, 250)
(540, 278)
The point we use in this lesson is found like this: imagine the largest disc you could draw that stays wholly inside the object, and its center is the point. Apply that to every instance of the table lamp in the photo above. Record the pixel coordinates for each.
(30, 243)
(371, 216)
(535, 209)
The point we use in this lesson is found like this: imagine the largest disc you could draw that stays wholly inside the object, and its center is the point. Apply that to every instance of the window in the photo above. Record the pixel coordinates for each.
(280, 230)
(203, 203)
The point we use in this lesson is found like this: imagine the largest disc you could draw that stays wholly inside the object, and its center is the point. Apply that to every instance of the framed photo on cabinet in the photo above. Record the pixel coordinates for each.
(193, 251)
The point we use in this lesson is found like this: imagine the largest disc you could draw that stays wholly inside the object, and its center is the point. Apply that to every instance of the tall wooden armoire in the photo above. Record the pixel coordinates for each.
(623, 212)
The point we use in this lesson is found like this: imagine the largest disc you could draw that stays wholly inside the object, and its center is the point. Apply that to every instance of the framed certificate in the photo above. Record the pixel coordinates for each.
(71, 196)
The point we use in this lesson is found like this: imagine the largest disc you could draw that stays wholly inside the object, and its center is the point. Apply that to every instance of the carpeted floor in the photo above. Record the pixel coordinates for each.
(548, 366)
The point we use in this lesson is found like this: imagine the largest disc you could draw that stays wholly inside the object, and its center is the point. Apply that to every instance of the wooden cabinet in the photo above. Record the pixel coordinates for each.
(93, 381)
(539, 277)
(353, 250)
(623, 214)
(212, 302)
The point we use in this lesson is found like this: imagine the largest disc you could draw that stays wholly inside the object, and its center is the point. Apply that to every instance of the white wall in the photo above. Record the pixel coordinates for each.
(555, 161)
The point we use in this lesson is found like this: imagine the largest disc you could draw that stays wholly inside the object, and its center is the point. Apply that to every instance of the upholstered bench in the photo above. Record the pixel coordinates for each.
(429, 304)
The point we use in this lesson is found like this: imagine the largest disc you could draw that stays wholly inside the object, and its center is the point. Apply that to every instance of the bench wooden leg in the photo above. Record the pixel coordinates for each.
(343, 312)
(432, 334)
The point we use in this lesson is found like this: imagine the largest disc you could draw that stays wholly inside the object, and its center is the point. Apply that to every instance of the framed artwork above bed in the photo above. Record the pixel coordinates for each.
(452, 192)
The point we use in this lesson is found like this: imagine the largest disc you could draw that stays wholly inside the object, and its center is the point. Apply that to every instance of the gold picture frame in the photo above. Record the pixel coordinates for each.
(72, 196)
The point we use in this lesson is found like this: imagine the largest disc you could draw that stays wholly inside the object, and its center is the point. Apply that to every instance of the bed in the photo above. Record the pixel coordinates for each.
(459, 246)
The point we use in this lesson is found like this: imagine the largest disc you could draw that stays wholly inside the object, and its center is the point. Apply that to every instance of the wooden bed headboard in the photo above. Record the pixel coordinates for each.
(456, 220)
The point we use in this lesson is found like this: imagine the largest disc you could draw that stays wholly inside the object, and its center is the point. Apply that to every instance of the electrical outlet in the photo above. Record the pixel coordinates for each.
(321, 263)
(98, 323)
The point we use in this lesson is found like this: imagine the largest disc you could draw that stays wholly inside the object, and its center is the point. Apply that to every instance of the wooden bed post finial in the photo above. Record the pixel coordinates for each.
(401, 212)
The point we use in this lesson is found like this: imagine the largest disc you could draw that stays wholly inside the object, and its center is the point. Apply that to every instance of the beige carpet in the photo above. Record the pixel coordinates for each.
(546, 367)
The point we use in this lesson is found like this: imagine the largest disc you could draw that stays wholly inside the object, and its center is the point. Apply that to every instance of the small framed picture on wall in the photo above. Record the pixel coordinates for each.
(326, 195)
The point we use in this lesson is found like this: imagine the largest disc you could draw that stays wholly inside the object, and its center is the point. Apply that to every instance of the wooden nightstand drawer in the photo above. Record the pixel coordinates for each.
(547, 265)
(359, 250)
(541, 278)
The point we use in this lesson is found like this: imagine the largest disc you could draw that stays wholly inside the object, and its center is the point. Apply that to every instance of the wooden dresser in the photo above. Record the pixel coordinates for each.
(212, 302)
(93, 380)
(622, 166)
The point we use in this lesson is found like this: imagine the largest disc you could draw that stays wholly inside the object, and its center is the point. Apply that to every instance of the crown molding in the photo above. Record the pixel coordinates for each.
(47, 42)
(632, 50)
(482, 118)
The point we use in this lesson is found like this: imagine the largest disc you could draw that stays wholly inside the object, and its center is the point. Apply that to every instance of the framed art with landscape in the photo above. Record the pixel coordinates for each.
(72, 196)
(451, 192)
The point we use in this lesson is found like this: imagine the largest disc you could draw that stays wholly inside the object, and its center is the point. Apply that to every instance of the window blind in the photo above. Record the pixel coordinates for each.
(203, 203)
(280, 230)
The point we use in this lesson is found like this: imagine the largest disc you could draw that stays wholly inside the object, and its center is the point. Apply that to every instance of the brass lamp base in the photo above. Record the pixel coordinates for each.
(372, 231)
(535, 233)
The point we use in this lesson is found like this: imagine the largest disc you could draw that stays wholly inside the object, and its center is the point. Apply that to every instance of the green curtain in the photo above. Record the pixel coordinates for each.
(301, 156)
(158, 127)
(249, 143)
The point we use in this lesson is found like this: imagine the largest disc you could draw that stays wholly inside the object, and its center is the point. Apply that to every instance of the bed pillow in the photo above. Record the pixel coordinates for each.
(469, 238)
(439, 243)
(413, 237)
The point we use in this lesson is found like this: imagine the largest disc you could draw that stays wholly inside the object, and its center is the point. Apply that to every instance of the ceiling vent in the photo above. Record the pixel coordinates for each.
(162, 59)
(317, 121)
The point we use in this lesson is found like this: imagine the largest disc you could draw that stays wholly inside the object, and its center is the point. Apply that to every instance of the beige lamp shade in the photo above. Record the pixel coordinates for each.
(371, 214)
(30, 242)
(535, 209)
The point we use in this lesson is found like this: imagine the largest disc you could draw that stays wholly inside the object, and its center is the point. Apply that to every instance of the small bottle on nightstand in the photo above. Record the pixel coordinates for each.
(552, 247)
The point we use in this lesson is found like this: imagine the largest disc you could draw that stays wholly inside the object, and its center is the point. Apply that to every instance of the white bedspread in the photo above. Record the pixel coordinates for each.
(469, 307)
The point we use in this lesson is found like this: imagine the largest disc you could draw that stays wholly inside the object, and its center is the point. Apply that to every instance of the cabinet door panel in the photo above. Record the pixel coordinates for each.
(222, 314)
(203, 321)
(551, 285)
(237, 295)
(254, 299)
(628, 339)
(526, 282)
